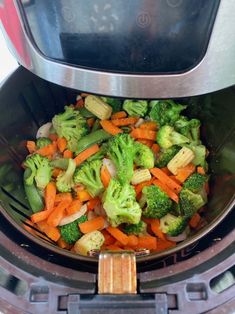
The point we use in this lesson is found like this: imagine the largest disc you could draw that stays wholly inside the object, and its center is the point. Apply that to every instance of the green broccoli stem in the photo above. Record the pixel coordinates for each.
(61, 163)
(91, 139)
(32, 194)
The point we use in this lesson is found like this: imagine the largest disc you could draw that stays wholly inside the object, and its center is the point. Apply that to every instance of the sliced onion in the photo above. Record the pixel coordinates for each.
(139, 122)
(43, 131)
(110, 166)
(71, 218)
(179, 238)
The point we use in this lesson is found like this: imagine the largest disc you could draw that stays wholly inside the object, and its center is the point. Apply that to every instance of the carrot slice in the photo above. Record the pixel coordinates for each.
(62, 244)
(166, 171)
(201, 170)
(50, 193)
(132, 241)
(164, 244)
(90, 122)
(67, 197)
(42, 215)
(150, 125)
(155, 148)
(148, 143)
(109, 127)
(53, 136)
(194, 221)
(118, 235)
(155, 227)
(108, 238)
(52, 232)
(79, 103)
(83, 196)
(92, 225)
(92, 203)
(139, 187)
(119, 115)
(86, 154)
(147, 242)
(57, 214)
(68, 154)
(61, 143)
(144, 134)
(73, 207)
(31, 146)
(185, 172)
(105, 176)
(113, 247)
(161, 176)
(124, 121)
(47, 150)
(167, 190)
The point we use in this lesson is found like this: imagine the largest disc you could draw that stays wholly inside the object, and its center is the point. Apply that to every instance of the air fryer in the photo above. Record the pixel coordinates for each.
(189, 50)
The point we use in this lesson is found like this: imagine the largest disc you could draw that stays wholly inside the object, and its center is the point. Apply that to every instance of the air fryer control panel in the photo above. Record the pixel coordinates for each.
(144, 36)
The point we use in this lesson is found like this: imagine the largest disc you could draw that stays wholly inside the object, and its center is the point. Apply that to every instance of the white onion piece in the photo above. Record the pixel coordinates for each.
(71, 218)
(110, 166)
(43, 131)
(78, 97)
(91, 215)
(179, 238)
(139, 122)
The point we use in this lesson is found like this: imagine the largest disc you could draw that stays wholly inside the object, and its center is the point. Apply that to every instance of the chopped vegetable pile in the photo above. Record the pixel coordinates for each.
(107, 174)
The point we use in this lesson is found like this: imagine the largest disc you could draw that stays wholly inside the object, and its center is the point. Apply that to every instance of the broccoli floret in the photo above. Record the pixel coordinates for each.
(71, 125)
(89, 175)
(173, 225)
(190, 203)
(42, 142)
(144, 156)
(121, 150)
(168, 137)
(120, 204)
(195, 182)
(41, 170)
(115, 103)
(200, 155)
(136, 108)
(158, 202)
(189, 128)
(166, 155)
(165, 111)
(64, 182)
(137, 229)
(70, 233)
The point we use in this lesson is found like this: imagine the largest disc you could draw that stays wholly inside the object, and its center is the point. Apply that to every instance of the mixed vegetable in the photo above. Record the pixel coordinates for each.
(107, 174)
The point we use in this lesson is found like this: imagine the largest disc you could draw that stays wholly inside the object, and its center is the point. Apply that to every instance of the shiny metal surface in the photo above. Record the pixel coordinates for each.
(214, 72)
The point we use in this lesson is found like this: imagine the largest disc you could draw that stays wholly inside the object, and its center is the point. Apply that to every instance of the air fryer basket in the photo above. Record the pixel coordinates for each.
(26, 102)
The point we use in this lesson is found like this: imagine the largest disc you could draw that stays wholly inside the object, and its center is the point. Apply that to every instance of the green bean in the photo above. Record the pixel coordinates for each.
(91, 139)
(61, 163)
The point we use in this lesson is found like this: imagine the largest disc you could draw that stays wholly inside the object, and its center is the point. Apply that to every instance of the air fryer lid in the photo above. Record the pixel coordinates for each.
(141, 49)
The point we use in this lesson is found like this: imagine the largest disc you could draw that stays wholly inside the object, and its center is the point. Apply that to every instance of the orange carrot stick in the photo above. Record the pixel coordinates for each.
(92, 203)
(185, 172)
(90, 122)
(56, 172)
(147, 242)
(201, 170)
(42, 215)
(139, 187)
(83, 196)
(167, 190)
(108, 238)
(109, 127)
(166, 171)
(124, 121)
(66, 197)
(105, 176)
(57, 214)
(119, 115)
(31, 146)
(118, 235)
(53, 136)
(50, 193)
(74, 207)
(155, 148)
(86, 154)
(68, 154)
(26, 227)
(62, 244)
(144, 134)
(148, 143)
(47, 150)
(92, 225)
(161, 176)
(164, 245)
(52, 232)
(132, 241)
(61, 143)
(194, 221)
(155, 226)
(150, 125)
(113, 247)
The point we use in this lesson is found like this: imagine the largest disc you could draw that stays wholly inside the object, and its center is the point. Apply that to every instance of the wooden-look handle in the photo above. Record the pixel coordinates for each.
(117, 273)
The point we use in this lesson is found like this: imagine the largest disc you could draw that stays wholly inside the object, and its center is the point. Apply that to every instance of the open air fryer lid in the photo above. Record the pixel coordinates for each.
(141, 49)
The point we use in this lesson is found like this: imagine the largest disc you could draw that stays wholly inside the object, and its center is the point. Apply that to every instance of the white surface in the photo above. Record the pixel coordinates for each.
(7, 61)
